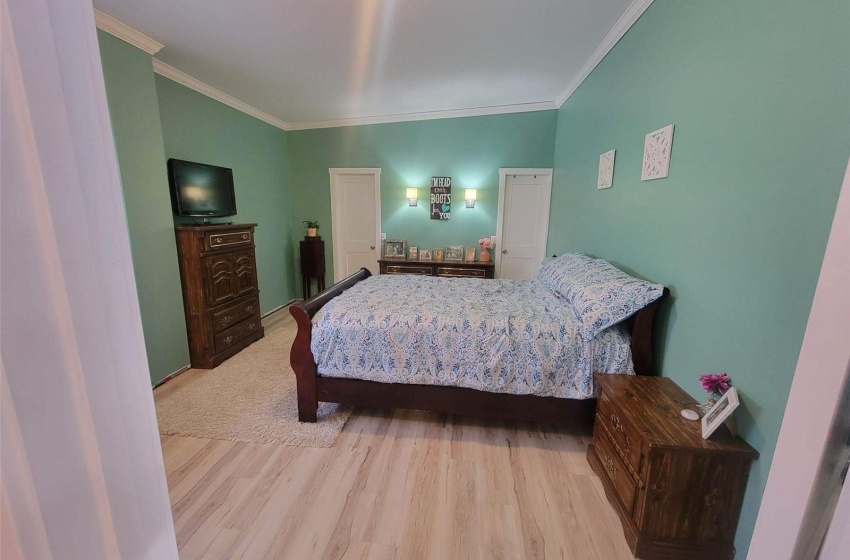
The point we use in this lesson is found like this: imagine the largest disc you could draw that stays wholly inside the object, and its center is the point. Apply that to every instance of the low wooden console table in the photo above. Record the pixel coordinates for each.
(446, 269)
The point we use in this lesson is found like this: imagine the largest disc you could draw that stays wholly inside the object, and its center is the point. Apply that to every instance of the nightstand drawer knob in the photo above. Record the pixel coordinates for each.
(610, 467)
(615, 423)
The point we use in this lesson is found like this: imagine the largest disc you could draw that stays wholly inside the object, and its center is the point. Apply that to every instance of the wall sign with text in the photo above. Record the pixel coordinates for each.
(441, 198)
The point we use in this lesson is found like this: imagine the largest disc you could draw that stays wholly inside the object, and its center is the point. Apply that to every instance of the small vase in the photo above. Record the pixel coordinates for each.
(706, 406)
(485, 255)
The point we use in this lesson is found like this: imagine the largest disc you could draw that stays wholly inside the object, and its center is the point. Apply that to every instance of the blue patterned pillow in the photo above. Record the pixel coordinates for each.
(600, 294)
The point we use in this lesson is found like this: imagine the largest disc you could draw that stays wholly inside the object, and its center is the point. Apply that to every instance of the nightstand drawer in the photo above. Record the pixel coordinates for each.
(615, 470)
(621, 433)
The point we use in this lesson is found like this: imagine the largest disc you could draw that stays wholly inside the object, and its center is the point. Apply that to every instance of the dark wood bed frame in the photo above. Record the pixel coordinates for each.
(313, 388)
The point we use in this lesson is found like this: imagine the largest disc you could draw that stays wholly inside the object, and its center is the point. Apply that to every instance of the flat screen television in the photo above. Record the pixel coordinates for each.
(201, 190)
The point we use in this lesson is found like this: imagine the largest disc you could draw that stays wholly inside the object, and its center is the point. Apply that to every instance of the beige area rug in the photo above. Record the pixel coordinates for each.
(251, 398)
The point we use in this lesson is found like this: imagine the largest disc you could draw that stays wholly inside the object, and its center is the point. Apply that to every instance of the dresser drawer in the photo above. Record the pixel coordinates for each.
(615, 470)
(460, 272)
(234, 334)
(226, 316)
(216, 240)
(621, 433)
(408, 269)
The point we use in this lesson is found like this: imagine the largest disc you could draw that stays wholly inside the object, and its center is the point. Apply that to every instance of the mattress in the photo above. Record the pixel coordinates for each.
(502, 336)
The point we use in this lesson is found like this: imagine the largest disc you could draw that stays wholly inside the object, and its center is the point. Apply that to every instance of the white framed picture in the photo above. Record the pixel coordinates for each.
(656, 154)
(605, 179)
(722, 409)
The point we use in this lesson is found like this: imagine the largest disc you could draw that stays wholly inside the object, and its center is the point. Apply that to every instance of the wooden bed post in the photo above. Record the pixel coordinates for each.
(304, 366)
(642, 351)
(301, 357)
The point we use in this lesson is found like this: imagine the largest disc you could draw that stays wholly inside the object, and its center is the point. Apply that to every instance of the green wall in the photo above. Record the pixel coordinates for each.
(134, 113)
(758, 93)
(470, 150)
(198, 128)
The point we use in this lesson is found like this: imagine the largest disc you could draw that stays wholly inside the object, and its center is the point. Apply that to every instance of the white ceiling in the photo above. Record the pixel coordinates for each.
(324, 60)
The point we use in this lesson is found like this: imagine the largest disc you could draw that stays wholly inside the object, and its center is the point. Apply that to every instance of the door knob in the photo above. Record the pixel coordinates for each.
(372, 247)
(504, 251)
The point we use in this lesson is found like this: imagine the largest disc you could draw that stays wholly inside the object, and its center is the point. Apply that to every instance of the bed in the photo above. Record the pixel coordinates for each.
(500, 348)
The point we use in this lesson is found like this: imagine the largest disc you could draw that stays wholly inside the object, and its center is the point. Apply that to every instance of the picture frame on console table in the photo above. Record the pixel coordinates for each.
(426, 255)
(469, 255)
(454, 253)
(395, 249)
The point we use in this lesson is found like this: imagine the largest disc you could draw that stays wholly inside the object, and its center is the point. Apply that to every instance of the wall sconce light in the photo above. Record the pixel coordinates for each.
(412, 196)
(470, 196)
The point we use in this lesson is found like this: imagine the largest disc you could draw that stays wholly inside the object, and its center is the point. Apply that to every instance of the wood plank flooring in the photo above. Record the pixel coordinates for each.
(397, 485)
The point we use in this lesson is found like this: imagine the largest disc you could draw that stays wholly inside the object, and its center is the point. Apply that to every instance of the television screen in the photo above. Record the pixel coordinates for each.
(201, 190)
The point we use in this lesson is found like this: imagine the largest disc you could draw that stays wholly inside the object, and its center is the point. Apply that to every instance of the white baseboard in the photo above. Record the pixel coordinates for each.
(172, 375)
(278, 308)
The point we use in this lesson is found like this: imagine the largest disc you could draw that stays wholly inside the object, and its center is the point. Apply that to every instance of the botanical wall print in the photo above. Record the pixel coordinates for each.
(656, 154)
(606, 170)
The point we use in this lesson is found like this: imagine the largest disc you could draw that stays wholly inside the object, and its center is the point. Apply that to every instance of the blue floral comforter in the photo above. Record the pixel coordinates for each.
(502, 336)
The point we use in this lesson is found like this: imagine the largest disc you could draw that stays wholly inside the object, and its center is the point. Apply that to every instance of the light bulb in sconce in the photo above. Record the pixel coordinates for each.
(470, 196)
(412, 196)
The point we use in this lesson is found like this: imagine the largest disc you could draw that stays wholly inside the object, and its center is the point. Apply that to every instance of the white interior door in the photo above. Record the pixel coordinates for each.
(523, 222)
(356, 216)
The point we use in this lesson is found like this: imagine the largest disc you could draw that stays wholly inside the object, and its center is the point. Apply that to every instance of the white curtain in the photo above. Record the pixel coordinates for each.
(82, 475)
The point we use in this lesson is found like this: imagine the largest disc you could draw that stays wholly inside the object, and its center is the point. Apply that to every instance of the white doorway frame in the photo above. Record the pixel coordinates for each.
(336, 240)
(813, 400)
(503, 174)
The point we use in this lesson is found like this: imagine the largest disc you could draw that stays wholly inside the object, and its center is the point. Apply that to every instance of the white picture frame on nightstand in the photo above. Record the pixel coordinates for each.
(722, 409)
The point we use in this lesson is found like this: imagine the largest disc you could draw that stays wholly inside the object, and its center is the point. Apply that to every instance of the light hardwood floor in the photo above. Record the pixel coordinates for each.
(397, 485)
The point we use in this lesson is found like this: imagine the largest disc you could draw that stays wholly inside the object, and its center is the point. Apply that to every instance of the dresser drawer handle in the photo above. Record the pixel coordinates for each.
(245, 236)
(228, 339)
(226, 319)
(249, 308)
(610, 467)
(252, 326)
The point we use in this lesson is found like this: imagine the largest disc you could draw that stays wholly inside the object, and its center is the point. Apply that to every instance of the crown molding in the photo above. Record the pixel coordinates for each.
(631, 15)
(427, 116)
(126, 33)
(107, 23)
(185, 79)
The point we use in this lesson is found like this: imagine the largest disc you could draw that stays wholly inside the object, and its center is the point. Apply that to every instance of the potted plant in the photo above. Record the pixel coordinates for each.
(312, 227)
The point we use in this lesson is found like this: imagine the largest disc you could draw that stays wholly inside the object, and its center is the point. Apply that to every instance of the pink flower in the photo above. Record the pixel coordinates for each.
(485, 243)
(715, 383)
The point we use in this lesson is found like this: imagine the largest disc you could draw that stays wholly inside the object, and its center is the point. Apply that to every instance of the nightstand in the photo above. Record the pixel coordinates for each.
(677, 495)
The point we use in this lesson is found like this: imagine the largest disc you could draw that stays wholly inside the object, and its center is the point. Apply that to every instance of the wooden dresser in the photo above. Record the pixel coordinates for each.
(678, 496)
(445, 269)
(218, 270)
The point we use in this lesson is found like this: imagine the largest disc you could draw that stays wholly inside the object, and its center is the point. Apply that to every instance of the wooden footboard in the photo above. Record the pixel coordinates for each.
(301, 358)
(448, 400)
